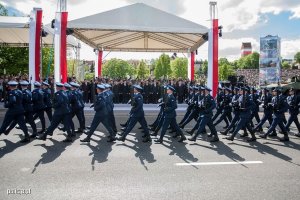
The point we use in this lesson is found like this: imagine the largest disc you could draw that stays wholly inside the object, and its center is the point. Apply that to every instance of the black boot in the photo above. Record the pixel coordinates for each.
(154, 134)
(111, 139)
(33, 135)
(43, 136)
(285, 138)
(79, 131)
(68, 139)
(230, 138)
(25, 139)
(215, 139)
(182, 138)
(122, 138)
(87, 139)
(147, 139)
(297, 134)
(190, 132)
(224, 132)
(263, 136)
(158, 141)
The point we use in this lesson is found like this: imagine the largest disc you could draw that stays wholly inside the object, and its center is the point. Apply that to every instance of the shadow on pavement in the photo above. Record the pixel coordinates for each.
(100, 151)
(266, 149)
(222, 149)
(143, 151)
(180, 150)
(10, 147)
(52, 152)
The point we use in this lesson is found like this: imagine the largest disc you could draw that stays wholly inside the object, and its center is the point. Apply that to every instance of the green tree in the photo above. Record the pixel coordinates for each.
(297, 57)
(223, 61)
(204, 67)
(285, 65)
(14, 60)
(225, 71)
(142, 70)
(3, 10)
(162, 67)
(250, 61)
(179, 67)
(117, 68)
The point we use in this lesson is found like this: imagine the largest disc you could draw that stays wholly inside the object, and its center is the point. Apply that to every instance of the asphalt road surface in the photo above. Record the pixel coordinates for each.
(266, 169)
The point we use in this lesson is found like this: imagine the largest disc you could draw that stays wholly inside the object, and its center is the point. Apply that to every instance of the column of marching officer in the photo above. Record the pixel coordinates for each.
(24, 106)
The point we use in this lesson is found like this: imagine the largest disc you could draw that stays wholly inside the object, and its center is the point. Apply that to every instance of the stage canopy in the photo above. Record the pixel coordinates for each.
(14, 31)
(139, 28)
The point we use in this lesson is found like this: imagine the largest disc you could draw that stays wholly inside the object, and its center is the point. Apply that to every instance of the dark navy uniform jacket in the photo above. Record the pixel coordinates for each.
(47, 98)
(100, 105)
(235, 103)
(207, 104)
(109, 100)
(226, 102)
(27, 100)
(61, 103)
(170, 106)
(137, 106)
(14, 102)
(293, 102)
(38, 99)
(245, 104)
(279, 106)
(255, 97)
(266, 100)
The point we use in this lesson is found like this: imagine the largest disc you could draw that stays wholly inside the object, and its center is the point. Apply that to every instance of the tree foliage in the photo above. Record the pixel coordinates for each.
(225, 71)
(179, 67)
(297, 57)
(250, 61)
(162, 67)
(3, 10)
(286, 65)
(117, 68)
(142, 70)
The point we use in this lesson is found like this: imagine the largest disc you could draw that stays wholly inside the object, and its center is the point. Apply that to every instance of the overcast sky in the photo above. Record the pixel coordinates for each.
(243, 21)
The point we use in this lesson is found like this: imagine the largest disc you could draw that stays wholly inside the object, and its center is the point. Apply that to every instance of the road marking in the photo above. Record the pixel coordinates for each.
(220, 163)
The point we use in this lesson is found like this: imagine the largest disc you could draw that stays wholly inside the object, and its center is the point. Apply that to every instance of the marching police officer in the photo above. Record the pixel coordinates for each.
(38, 104)
(170, 116)
(15, 110)
(101, 116)
(226, 111)
(279, 106)
(137, 115)
(110, 106)
(27, 105)
(77, 104)
(47, 100)
(245, 105)
(266, 100)
(206, 105)
(61, 113)
(293, 102)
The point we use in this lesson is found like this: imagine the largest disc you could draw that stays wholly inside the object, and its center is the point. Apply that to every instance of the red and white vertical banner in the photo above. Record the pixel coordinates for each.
(35, 27)
(213, 37)
(60, 47)
(98, 63)
(191, 66)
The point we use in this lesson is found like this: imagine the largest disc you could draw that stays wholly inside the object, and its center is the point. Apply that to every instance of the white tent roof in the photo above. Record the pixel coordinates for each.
(139, 27)
(14, 31)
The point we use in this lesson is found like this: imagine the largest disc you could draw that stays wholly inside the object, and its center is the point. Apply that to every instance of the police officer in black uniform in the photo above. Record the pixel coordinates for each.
(61, 114)
(47, 100)
(77, 104)
(170, 116)
(110, 106)
(226, 111)
(38, 104)
(137, 115)
(279, 106)
(206, 105)
(101, 116)
(245, 105)
(265, 101)
(27, 105)
(15, 111)
(293, 101)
